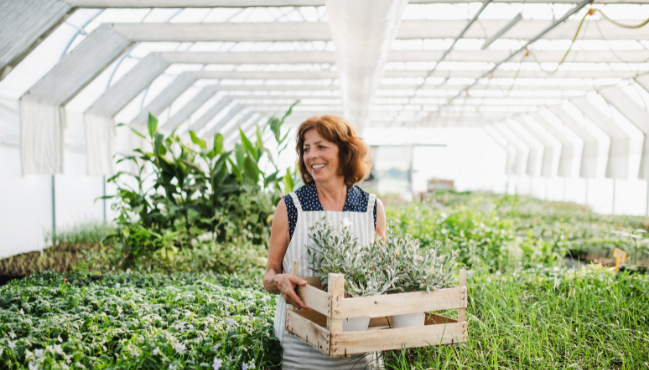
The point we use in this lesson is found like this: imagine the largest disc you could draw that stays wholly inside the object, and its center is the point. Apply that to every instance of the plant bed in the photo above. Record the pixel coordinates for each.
(321, 327)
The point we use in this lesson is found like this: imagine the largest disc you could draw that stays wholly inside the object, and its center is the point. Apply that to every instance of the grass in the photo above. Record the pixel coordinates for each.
(589, 319)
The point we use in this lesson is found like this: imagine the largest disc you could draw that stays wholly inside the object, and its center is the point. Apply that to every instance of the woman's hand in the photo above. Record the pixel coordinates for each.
(286, 284)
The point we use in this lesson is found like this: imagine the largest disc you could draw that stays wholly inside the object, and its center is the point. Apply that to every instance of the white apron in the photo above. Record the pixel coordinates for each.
(297, 353)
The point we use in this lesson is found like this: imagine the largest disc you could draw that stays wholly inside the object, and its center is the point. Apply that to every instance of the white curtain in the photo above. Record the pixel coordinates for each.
(100, 144)
(41, 137)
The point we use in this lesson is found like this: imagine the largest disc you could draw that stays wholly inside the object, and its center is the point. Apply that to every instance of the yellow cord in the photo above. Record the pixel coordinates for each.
(591, 11)
(618, 23)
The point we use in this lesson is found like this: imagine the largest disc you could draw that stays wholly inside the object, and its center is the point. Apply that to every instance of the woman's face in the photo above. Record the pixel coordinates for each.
(320, 157)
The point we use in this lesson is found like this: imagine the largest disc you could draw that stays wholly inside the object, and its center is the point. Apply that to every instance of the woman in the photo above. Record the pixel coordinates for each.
(331, 160)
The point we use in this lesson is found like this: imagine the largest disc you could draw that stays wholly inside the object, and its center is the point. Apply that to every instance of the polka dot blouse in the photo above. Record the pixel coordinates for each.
(357, 200)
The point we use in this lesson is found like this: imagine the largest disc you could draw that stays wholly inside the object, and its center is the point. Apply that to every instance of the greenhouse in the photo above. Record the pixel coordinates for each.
(311, 184)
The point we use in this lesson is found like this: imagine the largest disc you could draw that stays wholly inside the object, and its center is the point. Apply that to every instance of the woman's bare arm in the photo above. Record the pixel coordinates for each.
(275, 282)
(380, 219)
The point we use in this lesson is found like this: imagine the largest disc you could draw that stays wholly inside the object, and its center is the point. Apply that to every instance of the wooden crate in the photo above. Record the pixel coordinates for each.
(321, 327)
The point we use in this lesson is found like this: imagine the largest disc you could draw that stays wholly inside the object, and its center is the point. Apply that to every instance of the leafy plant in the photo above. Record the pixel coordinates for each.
(333, 251)
(193, 189)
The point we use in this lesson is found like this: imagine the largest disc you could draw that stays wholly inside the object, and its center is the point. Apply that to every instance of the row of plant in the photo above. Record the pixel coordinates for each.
(503, 233)
(133, 321)
(539, 319)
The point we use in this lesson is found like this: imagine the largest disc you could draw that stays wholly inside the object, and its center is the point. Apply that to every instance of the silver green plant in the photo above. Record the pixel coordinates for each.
(395, 265)
(332, 250)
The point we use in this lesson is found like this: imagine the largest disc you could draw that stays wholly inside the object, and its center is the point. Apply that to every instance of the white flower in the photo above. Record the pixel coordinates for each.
(347, 223)
(59, 338)
(216, 346)
(22, 312)
(181, 326)
(12, 335)
(179, 347)
(230, 323)
(252, 364)
(119, 310)
(33, 366)
(172, 367)
(12, 345)
(244, 366)
(217, 364)
(38, 353)
(156, 351)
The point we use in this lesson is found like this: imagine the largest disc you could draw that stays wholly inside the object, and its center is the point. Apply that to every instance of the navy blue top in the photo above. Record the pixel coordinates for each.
(357, 200)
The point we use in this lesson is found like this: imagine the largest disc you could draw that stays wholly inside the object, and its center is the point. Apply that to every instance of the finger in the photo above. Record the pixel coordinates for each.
(297, 301)
(296, 280)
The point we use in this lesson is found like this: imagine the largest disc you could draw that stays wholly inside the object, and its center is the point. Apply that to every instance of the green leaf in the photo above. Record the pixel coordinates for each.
(260, 142)
(152, 125)
(196, 140)
(137, 133)
(288, 182)
(251, 170)
(239, 154)
(235, 170)
(248, 145)
(218, 143)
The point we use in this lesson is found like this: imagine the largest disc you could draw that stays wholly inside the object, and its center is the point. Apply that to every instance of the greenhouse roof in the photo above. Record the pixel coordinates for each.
(211, 64)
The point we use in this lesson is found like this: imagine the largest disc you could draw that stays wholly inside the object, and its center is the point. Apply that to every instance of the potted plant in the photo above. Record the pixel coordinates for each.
(396, 265)
(416, 269)
(332, 250)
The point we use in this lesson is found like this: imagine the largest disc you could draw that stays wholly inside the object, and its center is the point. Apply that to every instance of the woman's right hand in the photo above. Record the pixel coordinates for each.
(286, 284)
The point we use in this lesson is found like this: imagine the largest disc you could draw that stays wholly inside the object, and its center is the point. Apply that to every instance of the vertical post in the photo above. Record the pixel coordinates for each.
(461, 311)
(613, 207)
(336, 289)
(104, 187)
(647, 211)
(53, 208)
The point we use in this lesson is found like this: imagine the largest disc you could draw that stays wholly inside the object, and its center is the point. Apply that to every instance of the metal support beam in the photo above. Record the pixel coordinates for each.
(535, 154)
(550, 151)
(637, 115)
(510, 151)
(568, 151)
(617, 166)
(210, 113)
(236, 109)
(556, 23)
(590, 150)
(522, 150)
(170, 93)
(185, 112)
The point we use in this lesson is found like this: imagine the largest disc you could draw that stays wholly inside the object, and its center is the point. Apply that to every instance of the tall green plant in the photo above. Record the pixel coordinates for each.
(194, 189)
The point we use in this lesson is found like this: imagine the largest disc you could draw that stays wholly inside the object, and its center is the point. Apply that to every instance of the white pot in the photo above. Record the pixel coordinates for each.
(409, 320)
(356, 324)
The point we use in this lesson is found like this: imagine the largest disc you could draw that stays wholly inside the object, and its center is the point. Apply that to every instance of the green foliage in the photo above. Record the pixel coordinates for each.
(129, 321)
(330, 251)
(179, 192)
(554, 319)
(395, 265)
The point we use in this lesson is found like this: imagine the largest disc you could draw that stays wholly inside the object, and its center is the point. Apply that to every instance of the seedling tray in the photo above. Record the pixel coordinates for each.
(321, 327)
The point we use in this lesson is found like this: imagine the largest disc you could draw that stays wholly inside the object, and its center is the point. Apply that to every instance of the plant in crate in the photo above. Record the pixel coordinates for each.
(396, 265)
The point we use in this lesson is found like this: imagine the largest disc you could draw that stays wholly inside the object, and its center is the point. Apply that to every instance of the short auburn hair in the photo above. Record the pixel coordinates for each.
(352, 150)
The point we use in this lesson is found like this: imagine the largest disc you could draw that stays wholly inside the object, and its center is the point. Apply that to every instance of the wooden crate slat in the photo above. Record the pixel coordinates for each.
(315, 298)
(397, 304)
(344, 344)
(316, 336)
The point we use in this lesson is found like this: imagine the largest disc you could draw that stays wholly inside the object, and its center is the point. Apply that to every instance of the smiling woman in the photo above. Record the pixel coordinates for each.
(332, 159)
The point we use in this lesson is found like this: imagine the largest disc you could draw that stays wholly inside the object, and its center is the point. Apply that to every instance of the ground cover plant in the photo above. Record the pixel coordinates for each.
(525, 309)
(134, 321)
